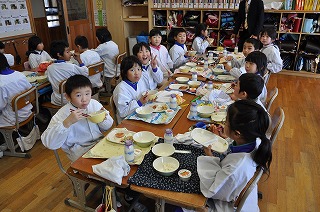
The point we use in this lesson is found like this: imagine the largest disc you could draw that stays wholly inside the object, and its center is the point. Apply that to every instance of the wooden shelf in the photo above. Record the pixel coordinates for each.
(136, 19)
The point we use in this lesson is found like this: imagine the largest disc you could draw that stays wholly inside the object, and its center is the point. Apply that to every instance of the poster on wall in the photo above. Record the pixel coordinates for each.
(14, 18)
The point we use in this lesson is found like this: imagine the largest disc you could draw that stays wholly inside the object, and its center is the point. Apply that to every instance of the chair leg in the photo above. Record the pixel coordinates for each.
(11, 151)
(108, 89)
(259, 195)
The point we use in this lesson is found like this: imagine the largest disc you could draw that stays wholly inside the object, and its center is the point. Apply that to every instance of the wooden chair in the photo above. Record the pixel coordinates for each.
(118, 62)
(266, 77)
(19, 102)
(114, 110)
(80, 184)
(94, 69)
(277, 120)
(240, 201)
(54, 108)
(271, 96)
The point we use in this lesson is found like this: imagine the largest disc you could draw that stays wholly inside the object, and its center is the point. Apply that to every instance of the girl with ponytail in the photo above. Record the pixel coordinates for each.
(222, 181)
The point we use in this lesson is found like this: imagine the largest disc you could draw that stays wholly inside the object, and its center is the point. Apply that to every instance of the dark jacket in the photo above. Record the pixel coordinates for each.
(255, 17)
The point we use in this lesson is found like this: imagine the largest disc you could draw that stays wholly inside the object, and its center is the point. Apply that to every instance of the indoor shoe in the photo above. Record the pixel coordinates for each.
(138, 207)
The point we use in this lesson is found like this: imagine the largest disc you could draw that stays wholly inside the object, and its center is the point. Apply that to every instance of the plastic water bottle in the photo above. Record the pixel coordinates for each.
(225, 52)
(193, 109)
(194, 76)
(236, 50)
(173, 102)
(168, 136)
(129, 151)
(206, 64)
(210, 86)
(210, 56)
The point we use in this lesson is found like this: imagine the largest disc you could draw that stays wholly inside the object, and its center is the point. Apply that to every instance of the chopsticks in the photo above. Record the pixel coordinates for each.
(229, 88)
(83, 114)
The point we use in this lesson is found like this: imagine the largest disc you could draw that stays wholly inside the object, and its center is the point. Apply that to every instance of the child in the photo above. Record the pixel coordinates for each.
(256, 63)
(68, 128)
(108, 51)
(127, 95)
(201, 41)
(9, 57)
(11, 83)
(35, 52)
(249, 86)
(237, 65)
(222, 181)
(267, 37)
(150, 70)
(88, 57)
(163, 58)
(61, 70)
(179, 50)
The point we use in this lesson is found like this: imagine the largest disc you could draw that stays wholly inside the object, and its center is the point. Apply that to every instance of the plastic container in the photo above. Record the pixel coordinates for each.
(205, 64)
(173, 102)
(129, 151)
(236, 51)
(168, 136)
(225, 52)
(194, 76)
(193, 109)
(210, 86)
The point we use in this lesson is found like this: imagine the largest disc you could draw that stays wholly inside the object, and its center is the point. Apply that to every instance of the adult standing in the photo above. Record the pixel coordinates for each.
(251, 17)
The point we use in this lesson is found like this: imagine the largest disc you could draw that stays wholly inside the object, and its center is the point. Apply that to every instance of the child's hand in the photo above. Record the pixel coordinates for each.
(193, 59)
(154, 62)
(207, 151)
(144, 98)
(227, 66)
(229, 58)
(218, 130)
(74, 117)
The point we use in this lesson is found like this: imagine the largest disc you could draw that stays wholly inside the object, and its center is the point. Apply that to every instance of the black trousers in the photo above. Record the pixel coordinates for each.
(244, 35)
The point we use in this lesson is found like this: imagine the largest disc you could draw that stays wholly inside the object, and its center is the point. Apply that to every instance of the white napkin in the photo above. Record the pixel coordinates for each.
(112, 169)
(164, 96)
(217, 96)
(186, 139)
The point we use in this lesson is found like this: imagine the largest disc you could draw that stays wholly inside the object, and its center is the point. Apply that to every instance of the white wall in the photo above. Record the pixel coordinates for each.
(37, 8)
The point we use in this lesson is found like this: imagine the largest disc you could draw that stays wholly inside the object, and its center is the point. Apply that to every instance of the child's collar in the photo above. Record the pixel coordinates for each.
(179, 44)
(59, 61)
(155, 47)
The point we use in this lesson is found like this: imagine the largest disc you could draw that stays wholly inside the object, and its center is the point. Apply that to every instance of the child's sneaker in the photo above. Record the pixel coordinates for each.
(138, 207)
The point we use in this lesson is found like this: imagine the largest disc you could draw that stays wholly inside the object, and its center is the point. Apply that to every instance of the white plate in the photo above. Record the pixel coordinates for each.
(112, 135)
(219, 116)
(178, 87)
(206, 138)
(191, 64)
(159, 107)
(209, 61)
(227, 78)
(197, 69)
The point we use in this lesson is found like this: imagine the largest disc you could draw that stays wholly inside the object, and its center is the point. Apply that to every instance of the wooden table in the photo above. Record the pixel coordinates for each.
(180, 124)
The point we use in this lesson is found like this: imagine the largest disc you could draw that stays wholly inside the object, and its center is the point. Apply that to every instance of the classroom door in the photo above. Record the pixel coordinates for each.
(79, 20)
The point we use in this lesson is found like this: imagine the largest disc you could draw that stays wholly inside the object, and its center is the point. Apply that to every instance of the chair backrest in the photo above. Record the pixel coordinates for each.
(239, 203)
(118, 62)
(62, 88)
(96, 68)
(277, 120)
(23, 99)
(271, 96)
(266, 77)
(26, 66)
(114, 110)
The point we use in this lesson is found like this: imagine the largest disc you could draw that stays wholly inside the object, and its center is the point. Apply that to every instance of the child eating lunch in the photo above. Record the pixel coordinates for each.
(127, 96)
(178, 51)
(222, 181)
(69, 129)
(35, 52)
(201, 41)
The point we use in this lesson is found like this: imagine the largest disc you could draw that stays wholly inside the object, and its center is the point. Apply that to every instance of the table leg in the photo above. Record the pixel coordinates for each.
(160, 205)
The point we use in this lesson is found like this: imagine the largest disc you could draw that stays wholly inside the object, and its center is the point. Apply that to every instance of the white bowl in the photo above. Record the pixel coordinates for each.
(194, 84)
(192, 53)
(144, 112)
(205, 111)
(166, 166)
(219, 116)
(191, 64)
(97, 117)
(218, 71)
(144, 138)
(184, 174)
(163, 150)
(182, 80)
(185, 69)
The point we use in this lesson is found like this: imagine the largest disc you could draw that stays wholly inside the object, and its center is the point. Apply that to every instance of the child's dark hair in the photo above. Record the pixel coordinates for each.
(252, 84)
(177, 31)
(270, 31)
(254, 42)
(138, 47)
(3, 62)
(252, 121)
(58, 46)
(82, 41)
(154, 32)
(76, 81)
(1, 45)
(260, 59)
(199, 28)
(103, 35)
(126, 64)
(33, 42)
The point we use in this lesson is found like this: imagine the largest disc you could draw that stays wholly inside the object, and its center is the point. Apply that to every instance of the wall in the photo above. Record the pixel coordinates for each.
(37, 8)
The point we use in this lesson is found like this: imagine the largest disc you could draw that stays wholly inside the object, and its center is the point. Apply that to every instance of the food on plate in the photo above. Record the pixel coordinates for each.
(119, 135)
(154, 107)
(193, 89)
(167, 167)
(216, 86)
(223, 60)
(184, 173)
(183, 87)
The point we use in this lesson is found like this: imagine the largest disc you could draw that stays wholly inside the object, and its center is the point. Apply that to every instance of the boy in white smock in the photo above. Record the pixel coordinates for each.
(163, 58)
(178, 52)
(88, 57)
(69, 129)
(61, 70)
(150, 70)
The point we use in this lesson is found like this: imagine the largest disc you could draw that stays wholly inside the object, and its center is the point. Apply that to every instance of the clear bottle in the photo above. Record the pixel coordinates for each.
(129, 151)
(194, 76)
(210, 56)
(205, 64)
(225, 52)
(209, 86)
(168, 136)
(193, 109)
(173, 102)
(236, 51)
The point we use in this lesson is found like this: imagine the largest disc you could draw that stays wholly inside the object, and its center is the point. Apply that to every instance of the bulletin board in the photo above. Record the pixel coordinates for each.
(15, 18)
